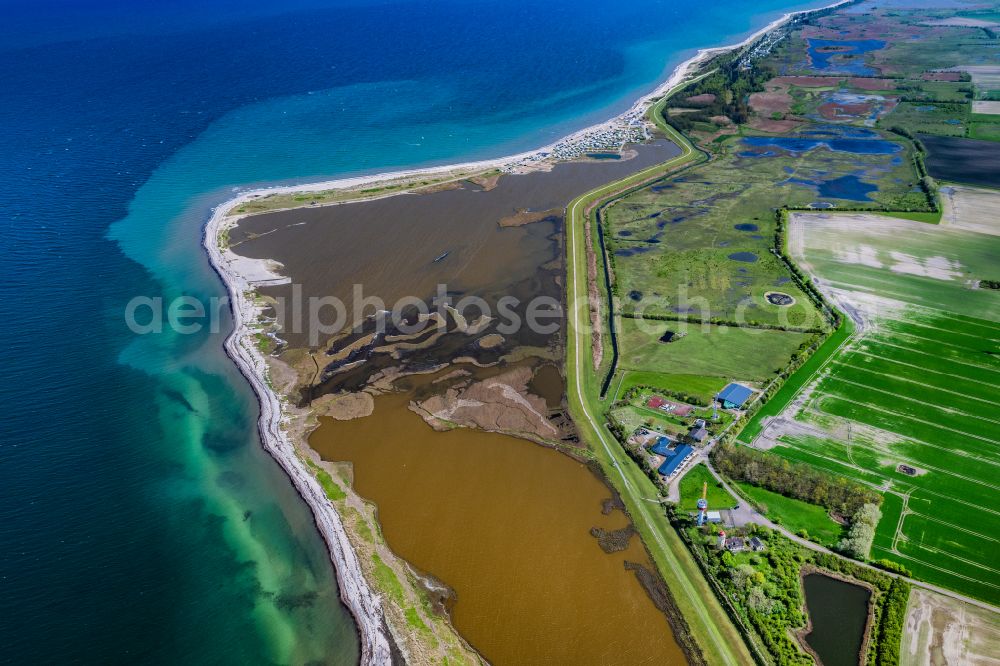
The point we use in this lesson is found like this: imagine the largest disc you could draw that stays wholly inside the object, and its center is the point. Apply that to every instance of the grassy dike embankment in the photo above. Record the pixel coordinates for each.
(717, 638)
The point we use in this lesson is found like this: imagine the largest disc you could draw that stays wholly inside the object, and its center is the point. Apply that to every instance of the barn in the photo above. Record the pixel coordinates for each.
(734, 396)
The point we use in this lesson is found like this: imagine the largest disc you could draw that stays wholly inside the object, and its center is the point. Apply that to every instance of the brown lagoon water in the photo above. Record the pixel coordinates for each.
(839, 614)
(506, 524)
(389, 245)
(548, 383)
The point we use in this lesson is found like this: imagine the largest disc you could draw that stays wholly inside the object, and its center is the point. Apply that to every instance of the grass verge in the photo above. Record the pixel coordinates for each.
(796, 515)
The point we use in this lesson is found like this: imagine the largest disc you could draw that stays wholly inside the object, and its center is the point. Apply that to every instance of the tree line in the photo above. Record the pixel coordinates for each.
(860, 536)
(630, 313)
(796, 480)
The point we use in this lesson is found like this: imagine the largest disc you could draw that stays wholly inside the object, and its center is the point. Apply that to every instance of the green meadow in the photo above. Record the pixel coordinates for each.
(701, 386)
(691, 486)
(740, 353)
(806, 519)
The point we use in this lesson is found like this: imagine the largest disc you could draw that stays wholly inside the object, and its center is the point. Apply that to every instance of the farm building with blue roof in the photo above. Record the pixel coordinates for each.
(662, 447)
(733, 396)
(675, 460)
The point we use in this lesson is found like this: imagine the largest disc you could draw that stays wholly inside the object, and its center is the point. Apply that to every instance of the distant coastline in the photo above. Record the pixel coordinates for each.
(541, 157)
(241, 276)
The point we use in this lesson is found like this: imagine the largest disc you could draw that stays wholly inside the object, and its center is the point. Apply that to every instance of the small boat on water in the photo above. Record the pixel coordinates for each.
(441, 256)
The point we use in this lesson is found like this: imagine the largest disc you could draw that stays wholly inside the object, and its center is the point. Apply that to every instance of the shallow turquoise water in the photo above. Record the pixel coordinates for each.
(140, 518)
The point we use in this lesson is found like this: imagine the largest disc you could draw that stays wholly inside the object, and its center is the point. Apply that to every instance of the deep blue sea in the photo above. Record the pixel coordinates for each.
(139, 519)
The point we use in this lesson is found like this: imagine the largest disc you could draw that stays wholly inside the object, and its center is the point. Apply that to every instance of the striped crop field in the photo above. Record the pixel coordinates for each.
(911, 405)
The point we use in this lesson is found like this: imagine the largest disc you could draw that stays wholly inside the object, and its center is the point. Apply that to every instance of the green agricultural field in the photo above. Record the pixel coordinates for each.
(861, 252)
(984, 127)
(691, 485)
(909, 405)
(746, 354)
(939, 91)
(794, 514)
(948, 119)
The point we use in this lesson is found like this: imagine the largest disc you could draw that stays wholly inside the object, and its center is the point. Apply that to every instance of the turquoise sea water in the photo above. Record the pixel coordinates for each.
(139, 518)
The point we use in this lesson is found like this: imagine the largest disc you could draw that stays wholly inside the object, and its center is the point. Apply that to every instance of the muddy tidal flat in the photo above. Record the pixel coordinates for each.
(389, 245)
(459, 435)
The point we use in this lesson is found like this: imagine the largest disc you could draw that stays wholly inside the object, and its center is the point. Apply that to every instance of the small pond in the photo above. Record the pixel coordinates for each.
(632, 251)
(847, 187)
(548, 383)
(779, 298)
(745, 257)
(839, 614)
(842, 55)
(746, 226)
(767, 146)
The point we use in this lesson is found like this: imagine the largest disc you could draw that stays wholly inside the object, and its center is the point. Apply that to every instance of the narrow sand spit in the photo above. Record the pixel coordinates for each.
(242, 276)
(541, 157)
(364, 603)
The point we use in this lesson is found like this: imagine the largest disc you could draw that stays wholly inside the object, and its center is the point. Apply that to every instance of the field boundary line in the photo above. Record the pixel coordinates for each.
(954, 526)
(880, 291)
(931, 586)
(911, 418)
(945, 553)
(957, 316)
(903, 511)
(955, 412)
(917, 367)
(923, 353)
(912, 381)
(938, 328)
(907, 460)
(936, 341)
(951, 498)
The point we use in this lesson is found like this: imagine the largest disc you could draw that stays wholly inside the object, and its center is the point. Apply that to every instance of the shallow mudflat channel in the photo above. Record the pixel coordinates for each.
(506, 524)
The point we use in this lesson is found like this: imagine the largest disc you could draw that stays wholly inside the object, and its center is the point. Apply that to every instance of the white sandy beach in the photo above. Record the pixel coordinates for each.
(241, 276)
